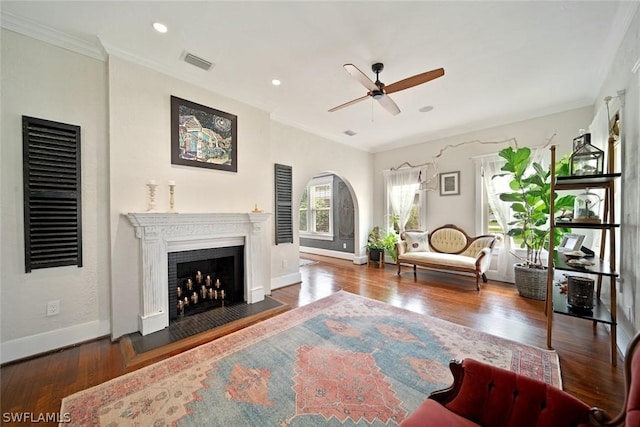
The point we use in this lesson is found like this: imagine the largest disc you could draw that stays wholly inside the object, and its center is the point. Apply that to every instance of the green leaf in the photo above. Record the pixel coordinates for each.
(515, 232)
(511, 197)
(518, 207)
(565, 202)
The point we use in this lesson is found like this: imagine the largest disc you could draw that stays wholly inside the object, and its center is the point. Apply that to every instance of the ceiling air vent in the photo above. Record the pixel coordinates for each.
(198, 62)
(349, 132)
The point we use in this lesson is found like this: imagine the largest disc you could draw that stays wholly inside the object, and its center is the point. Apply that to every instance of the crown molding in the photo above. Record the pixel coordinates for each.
(52, 36)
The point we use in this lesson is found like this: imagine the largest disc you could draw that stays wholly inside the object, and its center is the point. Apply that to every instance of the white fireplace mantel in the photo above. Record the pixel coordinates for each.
(161, 233)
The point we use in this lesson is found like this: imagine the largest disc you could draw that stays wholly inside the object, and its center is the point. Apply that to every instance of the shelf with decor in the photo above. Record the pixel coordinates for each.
(599, 313)
(599, 267)
(579, 300)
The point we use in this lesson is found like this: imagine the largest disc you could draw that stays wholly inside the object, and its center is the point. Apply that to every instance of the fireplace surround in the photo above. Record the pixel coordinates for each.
(162, 233)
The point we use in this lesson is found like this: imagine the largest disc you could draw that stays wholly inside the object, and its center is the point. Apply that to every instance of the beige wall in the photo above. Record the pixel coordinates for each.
(140, 150)
(140, 142)
(310, 155)
(48, 82)
(123, 109)
(460, 210)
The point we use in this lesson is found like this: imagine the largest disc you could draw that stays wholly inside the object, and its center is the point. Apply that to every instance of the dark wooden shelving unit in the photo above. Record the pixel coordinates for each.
(556, 301)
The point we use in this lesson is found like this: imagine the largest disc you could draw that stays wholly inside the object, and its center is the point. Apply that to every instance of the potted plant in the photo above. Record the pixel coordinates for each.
(379, 243)
(530, 202)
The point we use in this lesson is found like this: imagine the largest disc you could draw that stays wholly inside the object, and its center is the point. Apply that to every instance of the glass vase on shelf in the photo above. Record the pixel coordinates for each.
(586, 208)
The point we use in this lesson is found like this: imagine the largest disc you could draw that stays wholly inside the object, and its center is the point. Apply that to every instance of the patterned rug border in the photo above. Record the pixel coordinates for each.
(248, 336)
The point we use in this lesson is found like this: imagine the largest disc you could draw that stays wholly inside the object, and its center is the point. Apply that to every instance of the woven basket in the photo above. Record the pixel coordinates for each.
(531, 282)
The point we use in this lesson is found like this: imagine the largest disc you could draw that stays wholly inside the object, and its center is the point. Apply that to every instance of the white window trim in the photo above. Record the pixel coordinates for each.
(322, 180)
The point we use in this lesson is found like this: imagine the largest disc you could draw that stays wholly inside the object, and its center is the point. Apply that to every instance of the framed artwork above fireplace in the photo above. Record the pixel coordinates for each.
(203, 137)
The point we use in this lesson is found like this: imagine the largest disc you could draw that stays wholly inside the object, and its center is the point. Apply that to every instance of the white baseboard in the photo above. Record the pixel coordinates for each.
(48, 341)
(286, 280)
(334, 254)
(359, 260)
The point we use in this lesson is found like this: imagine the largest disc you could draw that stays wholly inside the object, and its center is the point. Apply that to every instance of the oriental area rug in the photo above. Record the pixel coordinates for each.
(342, 360)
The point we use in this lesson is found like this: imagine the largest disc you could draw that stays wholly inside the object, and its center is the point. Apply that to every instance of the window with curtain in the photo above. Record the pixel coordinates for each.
(497, 214)
(316, 212)
(405, 202)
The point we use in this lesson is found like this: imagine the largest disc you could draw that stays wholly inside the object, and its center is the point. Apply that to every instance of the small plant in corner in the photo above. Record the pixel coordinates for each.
(382, 242)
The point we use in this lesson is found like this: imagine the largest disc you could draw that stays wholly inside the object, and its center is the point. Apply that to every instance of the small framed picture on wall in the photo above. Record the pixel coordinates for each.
(450, 183)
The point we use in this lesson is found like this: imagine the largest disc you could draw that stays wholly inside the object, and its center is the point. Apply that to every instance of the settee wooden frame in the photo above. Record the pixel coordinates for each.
(476, 271)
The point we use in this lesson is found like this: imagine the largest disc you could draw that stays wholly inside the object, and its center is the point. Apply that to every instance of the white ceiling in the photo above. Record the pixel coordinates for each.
(503, 61)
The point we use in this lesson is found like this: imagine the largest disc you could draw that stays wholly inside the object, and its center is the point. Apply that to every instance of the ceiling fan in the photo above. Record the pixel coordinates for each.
(379, 91)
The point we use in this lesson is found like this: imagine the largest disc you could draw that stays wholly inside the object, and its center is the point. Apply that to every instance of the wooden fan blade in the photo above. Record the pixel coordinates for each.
(414, 80)
(360, 76)
(388, 104)
(346, 104)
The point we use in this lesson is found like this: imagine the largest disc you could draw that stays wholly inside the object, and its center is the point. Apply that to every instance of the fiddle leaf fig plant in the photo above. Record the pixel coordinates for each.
(531, 201)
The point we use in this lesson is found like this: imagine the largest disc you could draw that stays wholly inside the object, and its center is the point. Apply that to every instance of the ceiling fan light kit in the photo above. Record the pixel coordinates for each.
(379, 91)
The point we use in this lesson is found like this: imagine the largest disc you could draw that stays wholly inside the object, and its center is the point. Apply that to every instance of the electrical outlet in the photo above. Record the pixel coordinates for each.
(53, 308)
(344, 246)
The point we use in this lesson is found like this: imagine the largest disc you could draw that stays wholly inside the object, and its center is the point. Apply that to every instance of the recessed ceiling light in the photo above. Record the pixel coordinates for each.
(275, 82)
(160, 27)
(426, 109)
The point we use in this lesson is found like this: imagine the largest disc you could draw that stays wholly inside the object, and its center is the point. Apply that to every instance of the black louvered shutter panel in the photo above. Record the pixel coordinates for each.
(52, 208)
(284, 214)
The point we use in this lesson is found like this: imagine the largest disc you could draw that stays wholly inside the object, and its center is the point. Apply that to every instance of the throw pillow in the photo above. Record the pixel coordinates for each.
(416, 241)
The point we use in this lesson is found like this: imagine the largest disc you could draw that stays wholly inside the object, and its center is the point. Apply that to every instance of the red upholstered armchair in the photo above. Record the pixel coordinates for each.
(487, 396)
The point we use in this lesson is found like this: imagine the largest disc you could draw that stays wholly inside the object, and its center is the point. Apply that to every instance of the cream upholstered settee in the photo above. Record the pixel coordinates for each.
(446, 248)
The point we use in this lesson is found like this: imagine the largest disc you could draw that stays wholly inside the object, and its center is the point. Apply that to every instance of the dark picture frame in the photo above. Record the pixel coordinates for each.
(203, 137)
(450, 183)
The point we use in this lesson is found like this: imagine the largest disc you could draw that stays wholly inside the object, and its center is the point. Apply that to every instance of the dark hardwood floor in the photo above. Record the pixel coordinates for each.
(37, 385)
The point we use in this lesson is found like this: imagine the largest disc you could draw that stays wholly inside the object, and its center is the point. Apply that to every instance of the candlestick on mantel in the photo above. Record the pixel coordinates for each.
(172, 189)
(152, 195)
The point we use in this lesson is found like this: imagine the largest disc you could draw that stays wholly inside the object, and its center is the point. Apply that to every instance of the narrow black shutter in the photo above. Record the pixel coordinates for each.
(284, 213)
(52, 208)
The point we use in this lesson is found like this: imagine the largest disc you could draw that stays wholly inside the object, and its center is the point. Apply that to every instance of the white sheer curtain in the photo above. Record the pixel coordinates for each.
(491, 166)
(502, 211)
(402, 186)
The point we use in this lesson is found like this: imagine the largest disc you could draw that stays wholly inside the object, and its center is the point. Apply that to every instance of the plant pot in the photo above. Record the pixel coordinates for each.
(376, 254)
(531, 282)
